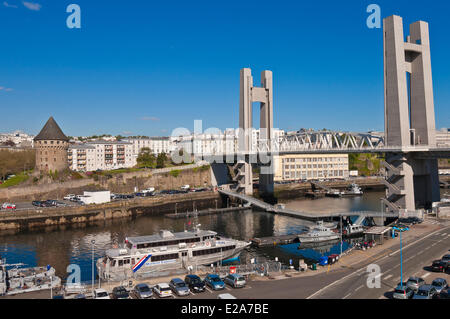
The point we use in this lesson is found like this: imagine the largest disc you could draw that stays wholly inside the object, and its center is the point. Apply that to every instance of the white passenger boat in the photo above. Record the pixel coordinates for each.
(20, 280)
(166, 251)
(320, 233)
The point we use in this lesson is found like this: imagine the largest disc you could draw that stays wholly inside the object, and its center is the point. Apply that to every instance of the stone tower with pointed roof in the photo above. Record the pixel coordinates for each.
(51, 148)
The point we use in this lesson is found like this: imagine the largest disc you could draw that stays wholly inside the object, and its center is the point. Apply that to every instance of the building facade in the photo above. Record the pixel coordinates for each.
(101, 155)
(51, 148)
(311, 166)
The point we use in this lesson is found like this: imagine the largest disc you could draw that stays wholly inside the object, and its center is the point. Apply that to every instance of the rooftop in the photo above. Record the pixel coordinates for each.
(51, 131)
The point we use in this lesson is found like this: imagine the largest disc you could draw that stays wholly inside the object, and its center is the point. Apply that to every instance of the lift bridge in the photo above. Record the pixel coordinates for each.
(408, 144)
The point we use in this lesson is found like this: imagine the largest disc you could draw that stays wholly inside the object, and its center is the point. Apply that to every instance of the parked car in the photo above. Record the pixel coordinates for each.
(69, 197)
(60, 204)
(214, 282)
(79, 296)
(403, 292)
(142, 291)
(8, 206)
(445, 294)
(179, 287)
(163, 290)
(425, 292)
(120, 293)
(195, 283)
(235, 280)
(226, 296)
(446, 260)
(36, 203)
(438, 266)
(415, 283)
(439, 284)
(101, 293)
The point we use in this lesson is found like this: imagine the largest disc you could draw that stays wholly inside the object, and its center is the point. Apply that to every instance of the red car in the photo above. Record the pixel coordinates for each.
(8, 206)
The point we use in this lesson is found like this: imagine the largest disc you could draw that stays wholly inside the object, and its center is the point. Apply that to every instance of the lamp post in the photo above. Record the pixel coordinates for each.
(93, 242)
(401, 260)
(341, 233)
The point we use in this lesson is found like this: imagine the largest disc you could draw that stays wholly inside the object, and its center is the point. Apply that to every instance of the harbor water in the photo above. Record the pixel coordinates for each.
(62, 246)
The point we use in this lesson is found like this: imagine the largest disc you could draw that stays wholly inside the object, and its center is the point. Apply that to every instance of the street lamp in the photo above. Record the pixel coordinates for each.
(93, 242)
(401, 256)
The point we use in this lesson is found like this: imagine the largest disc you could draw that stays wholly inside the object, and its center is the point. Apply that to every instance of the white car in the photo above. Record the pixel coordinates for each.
(163, 290)
(148, 190)
(8, 206)
(69, 197)
(226, 296)
(100, 293)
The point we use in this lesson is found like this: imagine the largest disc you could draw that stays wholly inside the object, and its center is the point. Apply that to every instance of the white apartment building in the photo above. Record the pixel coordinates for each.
(443, 137)
(220, 143)
(157, 145)
(101, 155)
(310, 166)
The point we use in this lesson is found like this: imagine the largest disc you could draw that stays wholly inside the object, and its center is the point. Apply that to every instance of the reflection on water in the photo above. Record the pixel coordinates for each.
(68, 245)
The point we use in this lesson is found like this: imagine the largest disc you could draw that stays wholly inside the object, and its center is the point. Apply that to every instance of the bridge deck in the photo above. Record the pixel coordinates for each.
(304, 215)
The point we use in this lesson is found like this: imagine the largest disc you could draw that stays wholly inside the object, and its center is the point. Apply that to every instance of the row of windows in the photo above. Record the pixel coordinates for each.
(314, 166)
(315, 159)
(166, 243)
(211, 251)
(165, 257)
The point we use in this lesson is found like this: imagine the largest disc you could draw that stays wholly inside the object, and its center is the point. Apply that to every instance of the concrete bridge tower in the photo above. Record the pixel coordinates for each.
(248, 95)
(412, 181)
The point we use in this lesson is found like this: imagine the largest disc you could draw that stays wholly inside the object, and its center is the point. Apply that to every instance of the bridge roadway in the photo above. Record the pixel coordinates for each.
(231, 157)
(304, 215)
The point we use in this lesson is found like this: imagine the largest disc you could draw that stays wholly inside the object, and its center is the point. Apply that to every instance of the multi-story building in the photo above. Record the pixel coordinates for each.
(157, 145)
(101, 155)
(443, 137)
(309, 166)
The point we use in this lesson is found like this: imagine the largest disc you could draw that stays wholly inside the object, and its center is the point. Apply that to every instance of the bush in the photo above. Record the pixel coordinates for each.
(175, 172)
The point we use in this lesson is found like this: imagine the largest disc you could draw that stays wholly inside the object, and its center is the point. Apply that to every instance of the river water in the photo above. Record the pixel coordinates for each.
(73, 245)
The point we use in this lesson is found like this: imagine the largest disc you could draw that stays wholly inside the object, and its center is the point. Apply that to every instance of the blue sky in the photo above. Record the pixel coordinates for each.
(147, 67)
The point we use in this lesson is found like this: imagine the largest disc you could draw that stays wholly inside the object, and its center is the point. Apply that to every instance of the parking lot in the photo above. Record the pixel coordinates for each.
(114, 198)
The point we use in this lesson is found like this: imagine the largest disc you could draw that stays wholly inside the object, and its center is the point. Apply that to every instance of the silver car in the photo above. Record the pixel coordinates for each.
(425, 292)
(235, 281)
(142, 291)
(439, 284)
(179, 287)
(415, 283)
(403, 292)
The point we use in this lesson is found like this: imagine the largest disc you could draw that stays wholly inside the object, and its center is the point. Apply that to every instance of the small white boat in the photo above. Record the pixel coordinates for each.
(320, 233)
(20, 280)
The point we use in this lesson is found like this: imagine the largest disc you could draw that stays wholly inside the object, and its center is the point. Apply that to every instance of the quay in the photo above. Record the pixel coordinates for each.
(27, 219)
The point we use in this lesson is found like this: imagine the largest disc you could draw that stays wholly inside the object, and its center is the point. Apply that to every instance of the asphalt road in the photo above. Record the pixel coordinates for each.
(417, 256)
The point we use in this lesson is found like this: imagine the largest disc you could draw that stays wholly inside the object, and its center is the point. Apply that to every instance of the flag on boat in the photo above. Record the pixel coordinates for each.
(141, 262)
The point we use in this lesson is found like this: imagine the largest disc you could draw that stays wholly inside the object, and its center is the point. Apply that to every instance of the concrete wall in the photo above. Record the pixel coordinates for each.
(120, 183)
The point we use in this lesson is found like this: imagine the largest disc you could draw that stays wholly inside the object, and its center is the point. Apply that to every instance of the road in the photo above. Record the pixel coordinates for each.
(416, 255)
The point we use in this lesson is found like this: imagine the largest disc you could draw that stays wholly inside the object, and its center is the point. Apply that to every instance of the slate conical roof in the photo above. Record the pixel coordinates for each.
(51, 131)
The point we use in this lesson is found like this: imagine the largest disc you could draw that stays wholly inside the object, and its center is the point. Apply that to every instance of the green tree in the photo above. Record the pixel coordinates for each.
(161, 160)
(146, 158)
